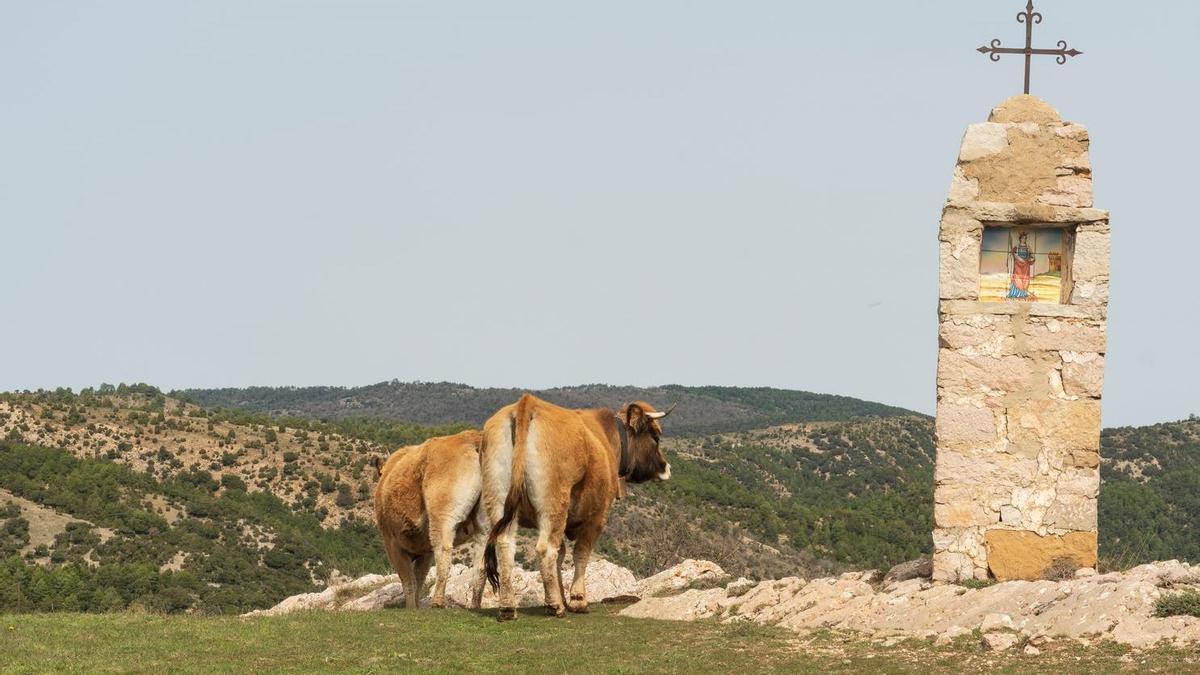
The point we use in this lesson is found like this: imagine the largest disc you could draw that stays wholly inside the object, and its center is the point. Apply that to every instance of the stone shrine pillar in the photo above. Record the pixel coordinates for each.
(1021, 335)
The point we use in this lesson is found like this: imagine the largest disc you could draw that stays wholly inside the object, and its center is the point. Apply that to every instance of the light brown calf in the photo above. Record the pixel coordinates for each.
(560, 470)
(426, 503)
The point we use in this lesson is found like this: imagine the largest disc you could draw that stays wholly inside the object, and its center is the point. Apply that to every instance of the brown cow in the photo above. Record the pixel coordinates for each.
(559, 470)
(426, 503)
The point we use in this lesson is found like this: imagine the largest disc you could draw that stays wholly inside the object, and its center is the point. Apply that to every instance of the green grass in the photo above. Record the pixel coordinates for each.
(459, 640)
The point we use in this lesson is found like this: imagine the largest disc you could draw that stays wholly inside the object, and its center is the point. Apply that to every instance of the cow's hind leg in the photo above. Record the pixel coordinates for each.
(402, 562)
(551, 524)
(562, 555)
(506, 554)
(588, 534)
(442, 540)
(420, 572)
(480, 575)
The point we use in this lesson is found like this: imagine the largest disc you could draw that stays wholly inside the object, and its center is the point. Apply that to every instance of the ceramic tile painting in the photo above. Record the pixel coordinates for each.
(1019, 263)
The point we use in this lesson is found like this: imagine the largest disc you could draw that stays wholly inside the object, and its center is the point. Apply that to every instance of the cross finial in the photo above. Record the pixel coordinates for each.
(1029, 17)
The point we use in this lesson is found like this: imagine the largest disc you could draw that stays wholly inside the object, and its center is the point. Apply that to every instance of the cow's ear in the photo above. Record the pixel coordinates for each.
(635, 417)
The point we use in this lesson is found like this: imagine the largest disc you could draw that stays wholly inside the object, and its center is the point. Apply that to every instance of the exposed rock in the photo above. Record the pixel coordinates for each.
(739, 587)
(687, 606)
(994, 622)
(1117, 606)
(950, 635)
(1030, 650)
(983, 140)
(374, 591)
(913, 569)
(1114, 606)
(999, 642)
(680, 576)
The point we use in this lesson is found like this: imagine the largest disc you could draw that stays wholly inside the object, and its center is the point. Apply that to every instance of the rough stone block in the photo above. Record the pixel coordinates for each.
(986, 472)
(983, 140)
(1065, 334)
(948, 566)
(1083, 374)
(962, 189)
(1092, 250)
(1094, 292)
(1019, 554)
(1078, 482)
(965, 425)
(1058, 426)
(978, 335)
(1072, 513)
(962, 506)
(955, 367)
(1072, 190)
(958, 276)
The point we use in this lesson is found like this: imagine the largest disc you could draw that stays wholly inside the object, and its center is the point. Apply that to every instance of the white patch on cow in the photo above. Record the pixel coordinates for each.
(497, 470)
(465, 494)
(535, 469)
(666, 475)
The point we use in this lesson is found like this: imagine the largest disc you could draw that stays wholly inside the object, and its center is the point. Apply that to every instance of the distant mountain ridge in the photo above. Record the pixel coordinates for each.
(700, 410)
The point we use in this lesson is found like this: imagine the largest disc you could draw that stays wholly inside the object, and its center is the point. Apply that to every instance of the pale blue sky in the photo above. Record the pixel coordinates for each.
(532, 194)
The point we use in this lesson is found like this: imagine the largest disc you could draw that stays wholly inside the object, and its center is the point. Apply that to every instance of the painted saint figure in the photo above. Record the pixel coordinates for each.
(1022, 260)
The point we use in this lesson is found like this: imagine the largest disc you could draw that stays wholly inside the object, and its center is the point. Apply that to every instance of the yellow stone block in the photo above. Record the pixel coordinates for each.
(1019, 554)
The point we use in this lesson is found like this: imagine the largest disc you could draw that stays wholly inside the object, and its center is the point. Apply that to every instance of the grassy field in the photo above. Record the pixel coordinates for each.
(460, 640)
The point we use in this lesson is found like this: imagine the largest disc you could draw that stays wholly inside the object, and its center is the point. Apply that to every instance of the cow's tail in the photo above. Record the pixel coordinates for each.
(518, 434)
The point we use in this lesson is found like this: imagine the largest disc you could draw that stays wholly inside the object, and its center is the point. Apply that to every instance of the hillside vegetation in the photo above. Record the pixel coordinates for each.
(700, 409)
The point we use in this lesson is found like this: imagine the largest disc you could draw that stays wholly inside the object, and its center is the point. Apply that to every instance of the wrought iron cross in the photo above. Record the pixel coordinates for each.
(1029, 17)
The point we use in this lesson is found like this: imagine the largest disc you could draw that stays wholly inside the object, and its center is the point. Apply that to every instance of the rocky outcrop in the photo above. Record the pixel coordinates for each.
(687, 573)
(1117, 606)
(605, 581)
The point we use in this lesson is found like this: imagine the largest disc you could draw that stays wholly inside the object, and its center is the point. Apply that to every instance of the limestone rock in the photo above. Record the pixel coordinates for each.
(950, 635)
(679, 577)
(391, 595)
(999, 642)
(994, 622)
(739, 587)
(605, 580)
(687, 606)
(913, 569)
(983, 140)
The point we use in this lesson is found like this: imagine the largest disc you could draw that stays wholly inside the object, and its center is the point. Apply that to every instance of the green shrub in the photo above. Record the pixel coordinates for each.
(1181, 603)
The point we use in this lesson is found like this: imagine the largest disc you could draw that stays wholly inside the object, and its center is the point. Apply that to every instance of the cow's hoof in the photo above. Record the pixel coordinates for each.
(555, 611)
(507, 614)
(437, 605)
(577, 607)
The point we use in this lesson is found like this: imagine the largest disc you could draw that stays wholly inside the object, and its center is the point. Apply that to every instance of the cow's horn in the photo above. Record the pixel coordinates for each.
(661, 414)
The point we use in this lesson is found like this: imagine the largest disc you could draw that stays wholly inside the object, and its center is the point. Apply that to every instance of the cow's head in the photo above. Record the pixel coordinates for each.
(646, 460)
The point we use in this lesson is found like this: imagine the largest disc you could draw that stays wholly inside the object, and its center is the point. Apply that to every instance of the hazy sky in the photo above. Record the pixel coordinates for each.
(202, 194)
